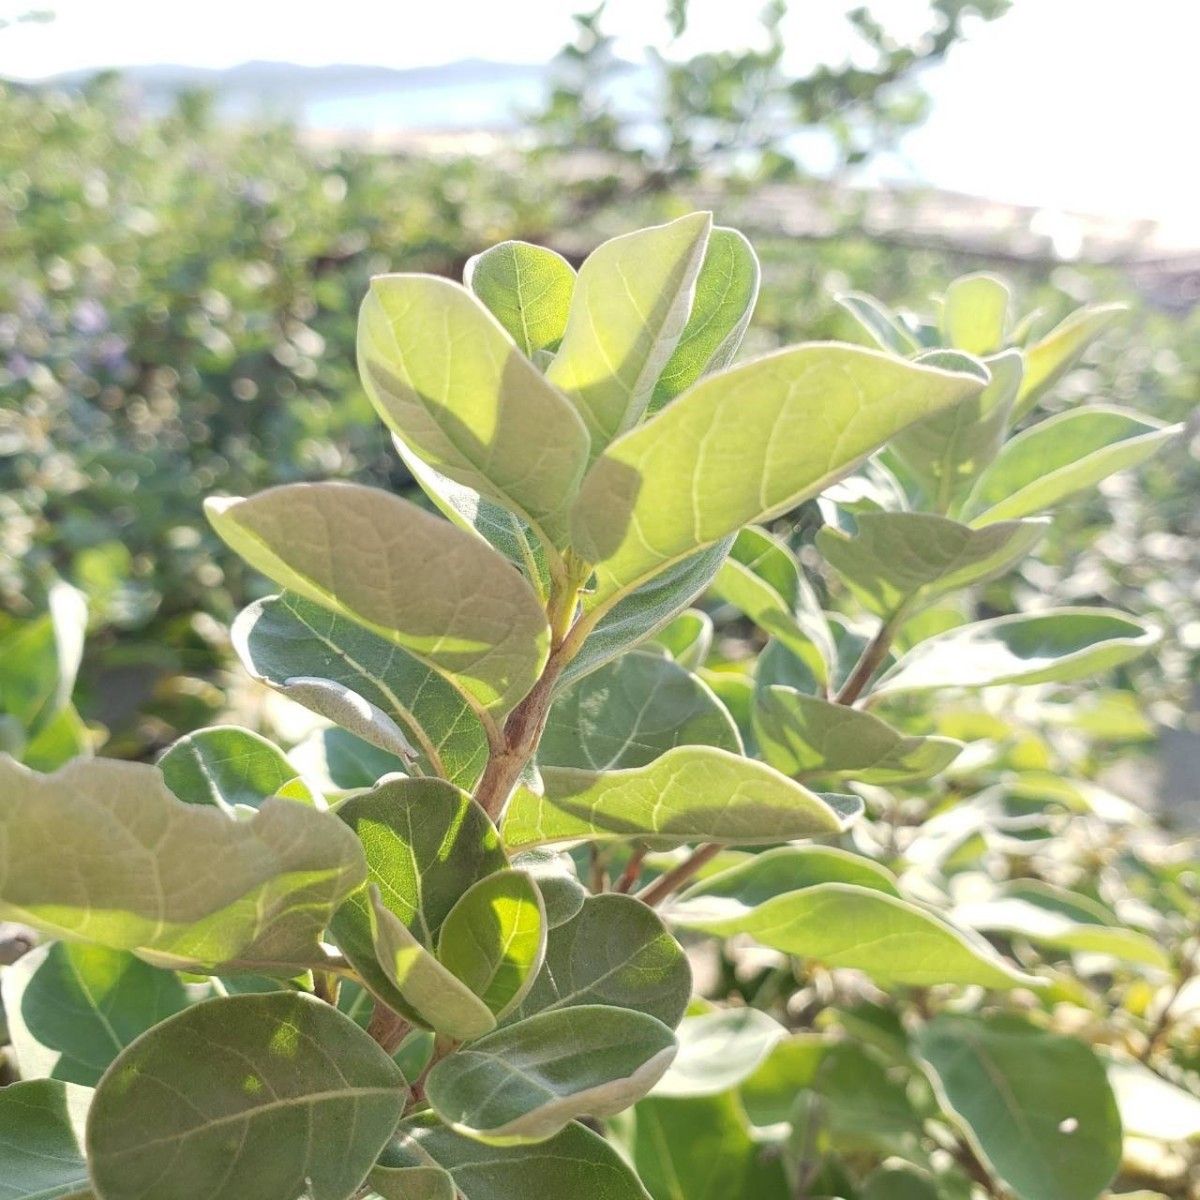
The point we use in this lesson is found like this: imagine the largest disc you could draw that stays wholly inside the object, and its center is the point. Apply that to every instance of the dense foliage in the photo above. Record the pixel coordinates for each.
(799, 910)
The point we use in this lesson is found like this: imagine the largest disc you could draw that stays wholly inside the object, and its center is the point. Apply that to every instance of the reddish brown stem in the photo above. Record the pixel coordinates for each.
(675, 878)
(633, 870)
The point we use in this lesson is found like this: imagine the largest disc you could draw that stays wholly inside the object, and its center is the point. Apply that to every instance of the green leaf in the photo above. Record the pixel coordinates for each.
(527, 1081)
(1036, 1106)
(494, 938)
(629, 310)
(945, 453)
(41, 1141)
(412, 1183)
(1054, 646)
(399, 699)
(904, 561)
(975, 313)
(527, 289)
(614, 951)
(631, 711)
(688, 638)
(430, 995)
(1151, 1106)
(689, 794)
(1048, 360)
(340, 762)
(899, 1181)
(784, 869)
(409, 576)
(501, 529)
(762, 579)
(557, 880)
(575, 1163)
(803, 736)
(741, 447)
(447, 379)
(726, 290)
(61, 738)
(39, 660)
(425, 843)
(226, 766)
(1064, 920)
(647, 609)
(886, 330)
(102, 852)
(72, 1009)
(702, 1149)
(1062, 456)
(848, 925)
(242, 1098)
(718, 1050)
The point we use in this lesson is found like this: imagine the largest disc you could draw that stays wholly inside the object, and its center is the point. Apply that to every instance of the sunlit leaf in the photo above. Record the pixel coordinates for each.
(740, 447)
(1050, 358)
(975, 313)
(527, 289)
(41, 1141)
(526, 1082)
(449, 381)
(410, 577)
(102, 852)
(717, 1050)
(689, 794)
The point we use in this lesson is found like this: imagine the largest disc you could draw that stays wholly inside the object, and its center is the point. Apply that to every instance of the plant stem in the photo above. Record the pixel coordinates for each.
(675, 878)
(1187, 968)
(633, 870)
(388, 1028)
(872, 656)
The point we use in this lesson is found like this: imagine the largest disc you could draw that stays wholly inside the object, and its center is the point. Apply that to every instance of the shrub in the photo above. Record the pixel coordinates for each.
(394, 979)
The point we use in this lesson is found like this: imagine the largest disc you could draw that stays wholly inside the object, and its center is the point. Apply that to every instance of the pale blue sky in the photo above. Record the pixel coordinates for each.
(1085, 104)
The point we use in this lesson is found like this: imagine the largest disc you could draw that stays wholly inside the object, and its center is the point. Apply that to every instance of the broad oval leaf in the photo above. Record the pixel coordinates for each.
(527, 289)
(804, 736)
(1060, 457)
(743, 446)
(689, 794)
(286, 637)
(629, 309)
(241, 1098)
(425, 843)
(885, 329)
(687, 638)
(702, 1148)
(102, 852)
(226, 766)
(899, 562)
(431, 995)
(1050, 358)
(449, 381)
(1036, 1106)
(718, 1050)
(41, 1141)
(1050, 916)
(576, 1163)
(494, 938)
(558, 881)
(847, 925)
(501, 529)
(414, 579)
(945, 453)
(614, 951)
(72, 1008)
(526, 1082)
(762, 579)
(629, 712)
(726, 290)
(975, 313)
(1054, 646)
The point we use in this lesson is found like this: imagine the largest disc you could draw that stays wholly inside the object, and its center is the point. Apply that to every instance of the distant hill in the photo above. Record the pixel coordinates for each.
(290, 80)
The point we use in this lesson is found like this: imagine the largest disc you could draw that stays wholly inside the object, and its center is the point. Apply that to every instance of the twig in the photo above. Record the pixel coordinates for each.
(873, 654)
(1187, 968)
(388, 1028)
(633, 870)
(675, 878)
